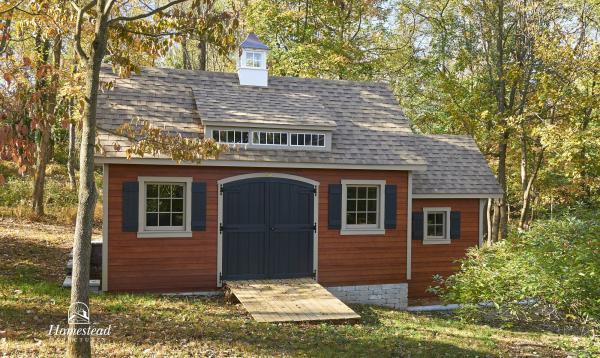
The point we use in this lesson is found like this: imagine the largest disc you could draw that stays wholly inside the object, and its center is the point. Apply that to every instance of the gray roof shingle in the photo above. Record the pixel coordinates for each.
(455, 165)
(368, 127)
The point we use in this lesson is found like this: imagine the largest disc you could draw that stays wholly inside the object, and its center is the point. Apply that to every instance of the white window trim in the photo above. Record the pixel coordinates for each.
(209, 130)
(364, 229)
(187, 215)
(428, 240)
(253, 132)
(263, 62)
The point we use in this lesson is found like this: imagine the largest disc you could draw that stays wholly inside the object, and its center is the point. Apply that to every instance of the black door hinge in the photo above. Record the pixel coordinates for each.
(221, 227)
(315, 190)
(314, 274)
(221, 277)
(221, 189)
(315, 227)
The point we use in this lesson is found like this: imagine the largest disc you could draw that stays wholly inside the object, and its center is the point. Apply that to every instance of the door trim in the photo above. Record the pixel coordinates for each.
(265, 175)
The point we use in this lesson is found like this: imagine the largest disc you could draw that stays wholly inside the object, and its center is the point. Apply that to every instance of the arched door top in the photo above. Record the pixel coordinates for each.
(268, 175)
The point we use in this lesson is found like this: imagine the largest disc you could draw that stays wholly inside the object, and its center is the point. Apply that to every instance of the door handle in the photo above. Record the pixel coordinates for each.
(273, 228)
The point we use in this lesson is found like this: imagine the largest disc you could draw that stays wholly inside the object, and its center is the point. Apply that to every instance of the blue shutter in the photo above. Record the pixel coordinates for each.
(455, 225)
(335, 206)
(390, 207)
(417, 225)
(130, 206)
(198, 206)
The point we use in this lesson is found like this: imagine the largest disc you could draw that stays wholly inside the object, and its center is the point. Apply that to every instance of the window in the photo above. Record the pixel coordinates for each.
(270, 138)
(260, 137)
(436, 225)
(307, 139)
(230, 136)
(165, 207)
(362, 207)
(361, 204)
(254, 59)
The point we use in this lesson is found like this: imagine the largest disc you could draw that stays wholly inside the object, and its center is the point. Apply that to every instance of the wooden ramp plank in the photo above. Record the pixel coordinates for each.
(289, 300)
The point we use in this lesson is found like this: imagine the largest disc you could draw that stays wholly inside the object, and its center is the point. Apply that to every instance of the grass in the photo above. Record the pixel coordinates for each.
(32, 258)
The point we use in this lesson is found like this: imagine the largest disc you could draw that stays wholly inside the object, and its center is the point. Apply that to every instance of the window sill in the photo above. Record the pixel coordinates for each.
(163, 234)
(362, 232)
(436, 242)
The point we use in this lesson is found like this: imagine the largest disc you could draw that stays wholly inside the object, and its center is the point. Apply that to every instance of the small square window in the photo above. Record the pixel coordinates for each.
(436, 228)
(164, 201)
(254, 59)
(362, 206)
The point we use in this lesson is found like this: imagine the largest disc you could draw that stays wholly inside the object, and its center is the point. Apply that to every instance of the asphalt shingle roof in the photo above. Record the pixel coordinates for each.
(367, 124)
(454, 166)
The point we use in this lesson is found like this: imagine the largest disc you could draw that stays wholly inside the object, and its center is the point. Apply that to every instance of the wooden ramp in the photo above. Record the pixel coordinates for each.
(289, 300)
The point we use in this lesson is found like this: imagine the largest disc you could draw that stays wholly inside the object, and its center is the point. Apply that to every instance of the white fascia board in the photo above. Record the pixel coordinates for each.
(252, 164)
(456, 196)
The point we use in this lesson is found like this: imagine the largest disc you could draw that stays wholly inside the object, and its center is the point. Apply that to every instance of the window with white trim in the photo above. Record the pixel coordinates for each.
(254, 59)
(230, 136)
(307, 139)
(362, 207)
(164, 207)
(436, 225)
(269, 138)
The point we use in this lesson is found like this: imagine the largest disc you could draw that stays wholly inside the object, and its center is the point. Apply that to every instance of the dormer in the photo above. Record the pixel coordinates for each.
(252, 62)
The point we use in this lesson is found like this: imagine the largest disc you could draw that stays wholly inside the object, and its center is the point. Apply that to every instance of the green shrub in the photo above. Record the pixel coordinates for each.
(555, 267)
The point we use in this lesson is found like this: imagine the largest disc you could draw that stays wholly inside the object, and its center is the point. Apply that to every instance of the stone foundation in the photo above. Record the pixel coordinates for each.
(393, 295)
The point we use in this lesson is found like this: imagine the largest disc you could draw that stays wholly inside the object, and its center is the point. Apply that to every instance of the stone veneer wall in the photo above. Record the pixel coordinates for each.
(393, 295)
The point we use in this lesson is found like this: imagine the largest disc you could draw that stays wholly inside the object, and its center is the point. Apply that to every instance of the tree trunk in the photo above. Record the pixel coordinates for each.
(186, 56)
(523, 220)
(39, 176)
(500, 221)
(71, 158)
(503, 214)
(79, 345)
(488, 209)
(202, 53)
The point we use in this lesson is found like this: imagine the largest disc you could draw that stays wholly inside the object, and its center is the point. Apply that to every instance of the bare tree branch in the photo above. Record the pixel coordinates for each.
(80, 13)
(11, 7)
(144, 15)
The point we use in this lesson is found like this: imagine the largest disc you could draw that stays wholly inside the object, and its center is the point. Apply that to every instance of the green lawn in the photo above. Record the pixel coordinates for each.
(32, 259)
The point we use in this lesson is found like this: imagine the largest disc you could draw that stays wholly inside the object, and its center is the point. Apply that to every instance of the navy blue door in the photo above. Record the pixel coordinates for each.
(268, 229)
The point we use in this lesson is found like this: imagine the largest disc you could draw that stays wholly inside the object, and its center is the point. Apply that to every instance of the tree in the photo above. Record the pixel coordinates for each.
(33, 70)
(511, 73)
(124, 29)
(341, 39)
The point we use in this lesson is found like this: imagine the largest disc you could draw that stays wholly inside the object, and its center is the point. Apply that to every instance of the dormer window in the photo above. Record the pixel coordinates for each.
(254, 59)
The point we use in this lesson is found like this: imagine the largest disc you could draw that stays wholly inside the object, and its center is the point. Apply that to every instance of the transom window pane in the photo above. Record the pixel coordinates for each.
(362, 204)
(436, 223)
(164, 205)
(308, 139)
(254, 59)
(230, 136)
(270, 138)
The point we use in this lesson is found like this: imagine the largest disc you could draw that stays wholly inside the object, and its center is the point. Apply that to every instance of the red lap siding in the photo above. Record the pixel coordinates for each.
(429, 260)
(190, 264)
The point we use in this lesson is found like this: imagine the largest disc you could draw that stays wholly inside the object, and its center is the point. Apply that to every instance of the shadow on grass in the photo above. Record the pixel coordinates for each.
(491, 318)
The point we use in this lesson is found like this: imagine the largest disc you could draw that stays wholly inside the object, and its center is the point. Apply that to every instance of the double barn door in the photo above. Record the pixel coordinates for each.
(268, 228)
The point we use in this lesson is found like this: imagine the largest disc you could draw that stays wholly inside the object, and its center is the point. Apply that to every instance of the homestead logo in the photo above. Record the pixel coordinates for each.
(79, 313)
(79, 317)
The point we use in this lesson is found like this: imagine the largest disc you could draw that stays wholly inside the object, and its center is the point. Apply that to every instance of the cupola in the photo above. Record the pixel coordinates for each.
(252, 62)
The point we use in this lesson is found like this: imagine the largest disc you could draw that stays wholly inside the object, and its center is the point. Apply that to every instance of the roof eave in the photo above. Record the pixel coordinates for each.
(257, 164)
